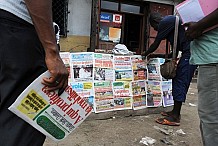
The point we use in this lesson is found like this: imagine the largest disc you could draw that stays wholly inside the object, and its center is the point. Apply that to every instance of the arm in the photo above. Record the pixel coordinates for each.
(195, 29)
(41, 14)
(152, 48)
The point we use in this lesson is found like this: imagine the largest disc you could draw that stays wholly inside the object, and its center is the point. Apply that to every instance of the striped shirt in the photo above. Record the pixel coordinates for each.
(16, 7)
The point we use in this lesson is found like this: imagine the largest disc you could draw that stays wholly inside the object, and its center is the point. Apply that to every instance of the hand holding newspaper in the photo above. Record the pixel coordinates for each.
(195, 10)
(53, 115)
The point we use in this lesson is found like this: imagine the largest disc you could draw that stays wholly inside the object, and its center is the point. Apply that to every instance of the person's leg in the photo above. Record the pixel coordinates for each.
(181, 84)
(180, 87)
(21, 61)
(208, 103)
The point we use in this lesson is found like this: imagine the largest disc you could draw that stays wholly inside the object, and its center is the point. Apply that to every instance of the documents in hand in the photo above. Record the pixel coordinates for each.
(53, 115)
(195, 10)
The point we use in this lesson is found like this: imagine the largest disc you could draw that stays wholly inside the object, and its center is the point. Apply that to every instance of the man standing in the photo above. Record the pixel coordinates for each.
(27, 49)
(180, 84)
(204, 52)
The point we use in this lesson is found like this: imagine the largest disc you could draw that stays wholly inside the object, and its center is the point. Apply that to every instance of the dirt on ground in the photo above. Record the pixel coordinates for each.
(129, 131)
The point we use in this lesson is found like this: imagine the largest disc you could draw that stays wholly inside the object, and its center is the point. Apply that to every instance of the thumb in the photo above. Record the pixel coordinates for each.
(186, 25)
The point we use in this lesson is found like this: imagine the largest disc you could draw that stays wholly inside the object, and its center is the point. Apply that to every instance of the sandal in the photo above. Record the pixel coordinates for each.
(168, 114)
(170, 121)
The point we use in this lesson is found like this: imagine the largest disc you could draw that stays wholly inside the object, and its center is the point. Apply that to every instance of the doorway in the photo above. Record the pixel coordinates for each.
(131, 34)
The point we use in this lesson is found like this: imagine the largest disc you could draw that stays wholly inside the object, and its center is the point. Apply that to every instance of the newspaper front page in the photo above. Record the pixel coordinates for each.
(55, 116)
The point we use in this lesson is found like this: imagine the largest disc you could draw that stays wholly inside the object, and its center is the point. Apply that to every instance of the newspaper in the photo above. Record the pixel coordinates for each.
(122, 63)
(139, 94)
(121, 88)
(55, 116)
(103, 67)
(65, 56)
(82, 66)
(85, 90)
(139, 102)
(138, 62)
(154, 96)
(123, 75)
(112, 104)
(154, 69)
(139, 68)
(138, 87)
(167, 93)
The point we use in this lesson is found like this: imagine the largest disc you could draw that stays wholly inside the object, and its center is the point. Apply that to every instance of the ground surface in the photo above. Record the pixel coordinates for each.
(128, 131)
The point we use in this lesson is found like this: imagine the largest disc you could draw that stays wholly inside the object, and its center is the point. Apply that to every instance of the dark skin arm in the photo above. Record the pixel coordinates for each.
(195, 29)
(41, 14)
(152, 48)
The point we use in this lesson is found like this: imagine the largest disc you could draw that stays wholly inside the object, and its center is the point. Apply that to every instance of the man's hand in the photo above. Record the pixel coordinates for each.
(193, 30)
(58, 71)
(41, 14)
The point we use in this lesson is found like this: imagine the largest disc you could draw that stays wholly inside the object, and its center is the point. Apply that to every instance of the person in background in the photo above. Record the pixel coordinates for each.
(57, 34)
(27, 49)
(204, 52)
(180, 84)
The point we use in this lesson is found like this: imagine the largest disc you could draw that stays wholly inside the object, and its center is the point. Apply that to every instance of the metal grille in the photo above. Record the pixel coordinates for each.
(60, 13)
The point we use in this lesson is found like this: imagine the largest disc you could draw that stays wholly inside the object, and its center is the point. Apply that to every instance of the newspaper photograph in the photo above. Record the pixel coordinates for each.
(123, 75)
(139, 102)
(104, 74)
(55, 116)
(153, 67)
(138, 87)
(137, 62)
(104, 105)
(154, 94)
(167, 93)
(122, 63)
(122, 103)
(82, 66)
(140, 74)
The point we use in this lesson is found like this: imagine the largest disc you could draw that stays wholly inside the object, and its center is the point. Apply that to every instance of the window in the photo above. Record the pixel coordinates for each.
(130, 8)
(60, 13)
(109, 5)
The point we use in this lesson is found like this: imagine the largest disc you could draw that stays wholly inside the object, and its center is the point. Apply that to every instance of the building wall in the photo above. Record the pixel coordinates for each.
(79, 25)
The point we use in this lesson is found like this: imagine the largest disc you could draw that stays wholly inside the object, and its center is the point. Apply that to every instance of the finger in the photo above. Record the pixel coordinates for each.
(52, 81)
(63, 84)
(186, 24)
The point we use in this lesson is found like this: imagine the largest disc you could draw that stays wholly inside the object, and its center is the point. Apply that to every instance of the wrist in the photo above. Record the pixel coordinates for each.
(52, 51)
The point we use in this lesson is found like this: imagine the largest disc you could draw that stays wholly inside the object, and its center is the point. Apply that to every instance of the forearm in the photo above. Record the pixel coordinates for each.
(208, 21)
(41, 14)
(151, 49)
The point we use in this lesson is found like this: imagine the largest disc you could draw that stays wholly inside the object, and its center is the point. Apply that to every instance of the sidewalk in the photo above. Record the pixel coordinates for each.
(127, 128)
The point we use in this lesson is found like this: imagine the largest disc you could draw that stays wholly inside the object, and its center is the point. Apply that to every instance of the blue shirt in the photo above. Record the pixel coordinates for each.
(166, 30)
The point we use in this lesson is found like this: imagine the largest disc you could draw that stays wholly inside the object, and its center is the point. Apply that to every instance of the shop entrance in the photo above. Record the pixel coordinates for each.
(131, 33)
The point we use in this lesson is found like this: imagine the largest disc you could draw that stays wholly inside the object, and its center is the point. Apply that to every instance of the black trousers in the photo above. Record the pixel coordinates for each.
(22, 59)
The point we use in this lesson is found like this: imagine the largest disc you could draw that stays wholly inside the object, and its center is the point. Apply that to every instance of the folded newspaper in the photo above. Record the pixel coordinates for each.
(53, 115)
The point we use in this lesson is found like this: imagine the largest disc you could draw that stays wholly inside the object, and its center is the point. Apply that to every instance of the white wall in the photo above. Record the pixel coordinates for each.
(79, 18)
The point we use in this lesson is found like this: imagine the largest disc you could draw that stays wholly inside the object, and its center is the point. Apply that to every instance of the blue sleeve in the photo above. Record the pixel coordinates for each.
(166, 26)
